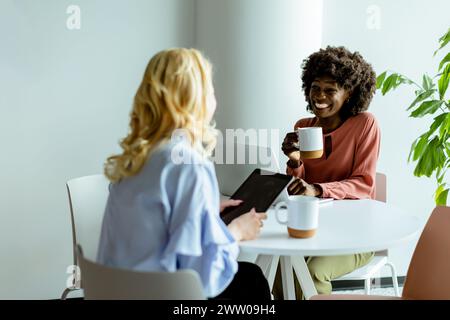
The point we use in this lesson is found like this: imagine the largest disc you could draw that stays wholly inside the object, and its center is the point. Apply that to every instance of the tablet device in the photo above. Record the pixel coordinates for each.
(258, 191)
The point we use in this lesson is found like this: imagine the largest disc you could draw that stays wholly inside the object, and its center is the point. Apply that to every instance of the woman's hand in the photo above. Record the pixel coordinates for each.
(229, 203)
(301, 187)
(290, 147)
(290, 143)
(248, 225)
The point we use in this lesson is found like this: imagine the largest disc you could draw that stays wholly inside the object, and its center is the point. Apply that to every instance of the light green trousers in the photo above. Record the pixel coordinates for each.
(323, 270)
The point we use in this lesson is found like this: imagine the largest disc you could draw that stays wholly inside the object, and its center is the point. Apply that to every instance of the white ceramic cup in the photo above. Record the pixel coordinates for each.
(302, 215)
(310, 142)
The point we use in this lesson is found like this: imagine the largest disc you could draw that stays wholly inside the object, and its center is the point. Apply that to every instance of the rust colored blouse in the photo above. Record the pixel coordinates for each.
(347, 168)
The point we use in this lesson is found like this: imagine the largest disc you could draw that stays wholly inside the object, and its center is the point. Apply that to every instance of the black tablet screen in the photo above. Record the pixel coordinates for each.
(258, 191)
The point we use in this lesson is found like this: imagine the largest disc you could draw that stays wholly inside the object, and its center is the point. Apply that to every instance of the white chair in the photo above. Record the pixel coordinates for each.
(87, 200)
(106, 283)
(372, 269)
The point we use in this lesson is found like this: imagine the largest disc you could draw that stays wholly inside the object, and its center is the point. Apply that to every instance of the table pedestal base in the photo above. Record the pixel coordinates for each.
(268, 265)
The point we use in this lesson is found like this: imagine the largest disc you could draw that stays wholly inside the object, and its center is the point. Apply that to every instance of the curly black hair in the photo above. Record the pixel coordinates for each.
(350, 71)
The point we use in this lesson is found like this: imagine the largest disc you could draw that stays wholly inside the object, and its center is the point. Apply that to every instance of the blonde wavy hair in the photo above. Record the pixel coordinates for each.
(173, 95)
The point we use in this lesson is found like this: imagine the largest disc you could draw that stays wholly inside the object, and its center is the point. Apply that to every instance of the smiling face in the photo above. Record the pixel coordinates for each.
(327, 97)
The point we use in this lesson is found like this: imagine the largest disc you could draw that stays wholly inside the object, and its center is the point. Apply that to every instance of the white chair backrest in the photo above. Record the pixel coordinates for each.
(87, 199)
(106, 283)
(381, 187)
(381, 195)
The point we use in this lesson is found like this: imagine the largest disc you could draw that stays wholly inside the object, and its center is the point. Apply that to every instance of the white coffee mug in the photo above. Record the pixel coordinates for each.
(302, 215)
(310, 142)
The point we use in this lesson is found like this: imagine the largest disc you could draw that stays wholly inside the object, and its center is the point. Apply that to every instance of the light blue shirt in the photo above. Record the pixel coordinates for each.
(167, 218)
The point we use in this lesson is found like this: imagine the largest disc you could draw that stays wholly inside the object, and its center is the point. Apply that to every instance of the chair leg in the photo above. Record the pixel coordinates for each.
(367, 283)
(394, 278)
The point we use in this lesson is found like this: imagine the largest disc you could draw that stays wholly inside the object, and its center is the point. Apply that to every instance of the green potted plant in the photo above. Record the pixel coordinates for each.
(431, 150)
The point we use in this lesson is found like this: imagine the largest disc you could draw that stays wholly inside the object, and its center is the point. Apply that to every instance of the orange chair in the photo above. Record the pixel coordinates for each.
(428, 276)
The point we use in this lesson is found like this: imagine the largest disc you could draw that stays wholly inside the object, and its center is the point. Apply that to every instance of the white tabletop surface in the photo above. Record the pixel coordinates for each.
(345, 227)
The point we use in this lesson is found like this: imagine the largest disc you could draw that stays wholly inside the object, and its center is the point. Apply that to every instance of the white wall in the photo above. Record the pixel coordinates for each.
(64, 104)
(405, 42)
(257, 47)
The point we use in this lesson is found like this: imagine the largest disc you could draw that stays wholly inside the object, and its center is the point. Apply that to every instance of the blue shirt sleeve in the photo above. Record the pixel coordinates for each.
(197, 237)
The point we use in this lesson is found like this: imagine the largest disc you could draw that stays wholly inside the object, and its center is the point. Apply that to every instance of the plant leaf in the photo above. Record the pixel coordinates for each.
(380, 79)
(444, 61)
(389, 83)
(422, 96)
(443, 81)
(426, 107)
(403, 79)
(432, 158)
(424, 165)
(413, 147)
(445, 127)
(418, 147)
(437, 122)
(443, 40)
(441, 196)
(427, 82)
(440, 175)
(439, 189)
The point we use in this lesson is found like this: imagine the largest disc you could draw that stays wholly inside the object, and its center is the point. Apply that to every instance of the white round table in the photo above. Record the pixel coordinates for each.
(345, 227)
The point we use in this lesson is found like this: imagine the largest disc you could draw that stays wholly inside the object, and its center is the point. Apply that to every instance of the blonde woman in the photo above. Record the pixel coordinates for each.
(162, 214)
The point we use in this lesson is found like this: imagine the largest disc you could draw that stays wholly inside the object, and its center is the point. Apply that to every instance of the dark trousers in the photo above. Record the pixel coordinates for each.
(248, 283)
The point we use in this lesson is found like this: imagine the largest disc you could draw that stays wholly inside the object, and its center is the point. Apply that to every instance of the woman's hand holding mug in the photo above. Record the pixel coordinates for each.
(305, 143)
(291, 149)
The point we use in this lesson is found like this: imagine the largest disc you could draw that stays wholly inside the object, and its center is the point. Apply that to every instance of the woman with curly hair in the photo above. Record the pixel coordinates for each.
(162, 214)
(338, 87)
